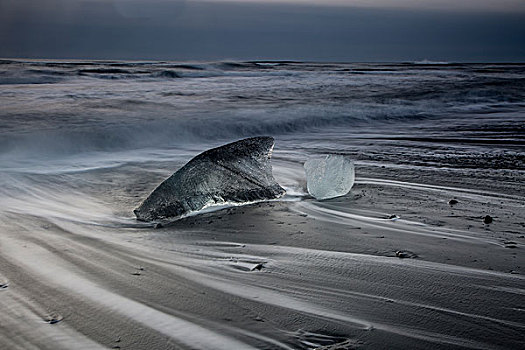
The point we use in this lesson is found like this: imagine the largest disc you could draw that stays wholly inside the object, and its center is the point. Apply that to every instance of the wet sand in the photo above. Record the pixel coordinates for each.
(392, 265)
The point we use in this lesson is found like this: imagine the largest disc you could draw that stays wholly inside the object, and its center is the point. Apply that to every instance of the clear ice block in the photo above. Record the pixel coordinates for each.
(329, 176)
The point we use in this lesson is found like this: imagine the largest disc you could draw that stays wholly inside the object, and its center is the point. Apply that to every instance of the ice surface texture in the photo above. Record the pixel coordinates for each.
(329, 176)
(236, 172)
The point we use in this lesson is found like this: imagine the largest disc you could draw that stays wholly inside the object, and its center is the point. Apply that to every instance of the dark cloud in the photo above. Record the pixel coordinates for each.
(132, 29)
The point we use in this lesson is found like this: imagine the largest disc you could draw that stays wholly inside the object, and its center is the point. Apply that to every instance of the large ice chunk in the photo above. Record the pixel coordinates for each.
(329, 176)
(237, 172)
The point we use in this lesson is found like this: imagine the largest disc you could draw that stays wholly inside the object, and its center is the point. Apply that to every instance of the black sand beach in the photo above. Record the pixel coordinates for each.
(404, 261)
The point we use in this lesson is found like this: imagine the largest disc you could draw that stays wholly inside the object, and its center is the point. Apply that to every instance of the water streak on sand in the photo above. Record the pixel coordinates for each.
(385, 224)
(451, 191)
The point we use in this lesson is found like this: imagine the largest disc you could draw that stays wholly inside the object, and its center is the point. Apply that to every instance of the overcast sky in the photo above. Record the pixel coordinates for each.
(328, 30)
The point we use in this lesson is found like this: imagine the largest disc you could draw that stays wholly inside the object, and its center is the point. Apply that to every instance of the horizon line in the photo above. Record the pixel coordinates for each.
(225, 60)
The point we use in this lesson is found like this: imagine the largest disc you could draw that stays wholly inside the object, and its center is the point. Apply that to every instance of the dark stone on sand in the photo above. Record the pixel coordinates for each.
(488, 219)
(237, 172)
(405, 254)
(452, 202)
(510, 244)
(258, 267)
(53, 318)
(393, 217)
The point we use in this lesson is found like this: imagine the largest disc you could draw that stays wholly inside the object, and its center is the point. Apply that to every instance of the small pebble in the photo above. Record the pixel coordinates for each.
(258, 267)
(53, 318)
(405, 254)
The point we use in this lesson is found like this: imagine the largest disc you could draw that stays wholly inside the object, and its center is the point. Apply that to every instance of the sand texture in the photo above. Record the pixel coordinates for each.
(293, 274)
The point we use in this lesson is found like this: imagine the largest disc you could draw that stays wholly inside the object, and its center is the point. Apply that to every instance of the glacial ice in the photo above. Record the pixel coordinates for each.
(329, 176)
(237, 172)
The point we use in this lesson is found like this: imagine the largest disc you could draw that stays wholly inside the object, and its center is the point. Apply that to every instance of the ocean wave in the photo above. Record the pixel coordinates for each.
(167, 74)
(104, 71)
(29, 80)
(188, 66)
(432, 62)
(173, 133)
(34, 76)
(38, 72)
(48, 72)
